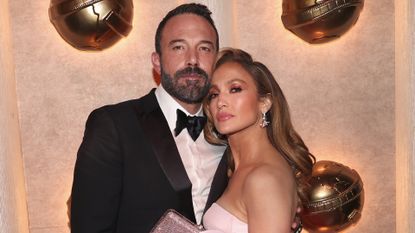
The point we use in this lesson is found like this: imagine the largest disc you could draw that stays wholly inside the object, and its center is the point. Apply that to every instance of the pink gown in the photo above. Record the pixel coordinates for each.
(219, 220)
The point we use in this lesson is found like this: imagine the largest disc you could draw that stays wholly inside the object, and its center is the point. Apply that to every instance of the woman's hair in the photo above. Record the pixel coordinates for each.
(280, 130)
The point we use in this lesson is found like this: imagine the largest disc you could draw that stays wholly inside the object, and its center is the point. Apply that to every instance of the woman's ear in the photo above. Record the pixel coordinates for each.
(155, 60)
(266, 103)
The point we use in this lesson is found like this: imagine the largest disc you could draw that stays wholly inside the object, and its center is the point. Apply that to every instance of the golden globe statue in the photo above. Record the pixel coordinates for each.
(335, 198)
(318, 21)
(91, 24)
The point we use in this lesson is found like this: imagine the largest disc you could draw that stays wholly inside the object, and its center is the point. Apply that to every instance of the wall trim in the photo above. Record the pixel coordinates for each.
(13, 206)
(404, 115)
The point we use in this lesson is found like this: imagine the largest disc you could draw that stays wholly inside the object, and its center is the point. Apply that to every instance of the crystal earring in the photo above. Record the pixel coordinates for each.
(264, 122)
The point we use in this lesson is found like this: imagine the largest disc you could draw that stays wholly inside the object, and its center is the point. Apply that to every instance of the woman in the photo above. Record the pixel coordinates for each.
(268, 160)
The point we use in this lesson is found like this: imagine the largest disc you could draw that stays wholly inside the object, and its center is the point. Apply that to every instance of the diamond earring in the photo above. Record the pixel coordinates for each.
(264, 122)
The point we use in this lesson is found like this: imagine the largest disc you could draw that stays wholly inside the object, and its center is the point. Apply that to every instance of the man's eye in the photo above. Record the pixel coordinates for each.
(178, 47)
(235, 89)
(206, 49)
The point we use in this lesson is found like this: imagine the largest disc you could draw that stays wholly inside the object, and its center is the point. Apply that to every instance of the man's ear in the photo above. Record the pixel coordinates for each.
(155, 60)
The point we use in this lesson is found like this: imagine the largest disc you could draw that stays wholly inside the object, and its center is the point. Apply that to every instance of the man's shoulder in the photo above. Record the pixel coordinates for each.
(127, 108)
(143, 102)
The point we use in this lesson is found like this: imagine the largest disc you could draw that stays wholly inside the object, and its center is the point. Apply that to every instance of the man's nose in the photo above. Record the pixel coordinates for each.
(192, 57)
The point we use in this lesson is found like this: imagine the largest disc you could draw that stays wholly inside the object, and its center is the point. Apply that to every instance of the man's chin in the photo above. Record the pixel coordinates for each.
(196, 97)
(190, 100)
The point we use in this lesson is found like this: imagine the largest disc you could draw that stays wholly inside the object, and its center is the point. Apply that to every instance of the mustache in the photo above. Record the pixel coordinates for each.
(191, 71)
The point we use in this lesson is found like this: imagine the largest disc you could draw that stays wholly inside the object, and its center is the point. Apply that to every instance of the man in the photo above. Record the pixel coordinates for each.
(134, 163)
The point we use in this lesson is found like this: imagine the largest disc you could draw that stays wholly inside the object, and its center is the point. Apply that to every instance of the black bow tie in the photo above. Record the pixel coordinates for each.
(194, 124)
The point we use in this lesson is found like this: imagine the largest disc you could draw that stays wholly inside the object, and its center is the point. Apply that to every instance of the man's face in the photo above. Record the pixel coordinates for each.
(188, 52)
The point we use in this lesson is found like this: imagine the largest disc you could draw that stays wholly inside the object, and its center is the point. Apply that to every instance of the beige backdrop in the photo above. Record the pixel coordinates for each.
(341, 95)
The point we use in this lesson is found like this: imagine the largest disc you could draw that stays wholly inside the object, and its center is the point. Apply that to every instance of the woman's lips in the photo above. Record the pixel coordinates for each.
(223, 116)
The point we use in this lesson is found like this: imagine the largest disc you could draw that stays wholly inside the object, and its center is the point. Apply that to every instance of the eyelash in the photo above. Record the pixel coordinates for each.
(206, 49)
(177, 47)
(180, 47)
(235, 89)
(232, 90)
(211, 96)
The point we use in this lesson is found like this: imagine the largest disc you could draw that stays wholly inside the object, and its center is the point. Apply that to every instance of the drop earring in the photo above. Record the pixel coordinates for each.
(264, 122)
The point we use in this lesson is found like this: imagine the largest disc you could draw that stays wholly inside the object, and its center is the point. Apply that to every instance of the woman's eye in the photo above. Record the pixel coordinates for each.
(235, 89)
(212, 96)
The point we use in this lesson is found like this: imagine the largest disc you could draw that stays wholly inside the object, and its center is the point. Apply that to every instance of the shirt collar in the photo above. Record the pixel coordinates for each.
(169, 106)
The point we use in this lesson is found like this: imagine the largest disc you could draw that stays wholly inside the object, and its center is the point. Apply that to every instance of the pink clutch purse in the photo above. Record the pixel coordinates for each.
(173, 222)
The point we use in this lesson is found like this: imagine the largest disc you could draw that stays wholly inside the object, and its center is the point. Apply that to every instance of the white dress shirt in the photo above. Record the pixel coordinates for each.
(199, 158)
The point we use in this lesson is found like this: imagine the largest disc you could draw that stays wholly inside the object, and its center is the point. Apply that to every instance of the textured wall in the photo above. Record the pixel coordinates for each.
(341, 95)
(13, 210)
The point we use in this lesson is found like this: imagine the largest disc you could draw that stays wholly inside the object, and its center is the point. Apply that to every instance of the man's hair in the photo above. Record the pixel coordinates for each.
(191, 8)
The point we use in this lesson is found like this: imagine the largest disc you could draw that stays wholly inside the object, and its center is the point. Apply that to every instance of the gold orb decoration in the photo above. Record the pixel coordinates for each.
(92, 24)
(335, 198)
(319, 21)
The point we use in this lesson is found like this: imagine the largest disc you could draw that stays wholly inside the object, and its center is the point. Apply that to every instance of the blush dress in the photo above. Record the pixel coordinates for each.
(219, 220)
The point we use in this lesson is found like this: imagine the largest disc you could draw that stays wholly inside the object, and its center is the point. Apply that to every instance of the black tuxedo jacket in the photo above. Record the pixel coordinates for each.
(128, 171)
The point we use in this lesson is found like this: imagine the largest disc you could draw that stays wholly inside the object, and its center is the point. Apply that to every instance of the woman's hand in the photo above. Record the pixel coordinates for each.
(297, 226)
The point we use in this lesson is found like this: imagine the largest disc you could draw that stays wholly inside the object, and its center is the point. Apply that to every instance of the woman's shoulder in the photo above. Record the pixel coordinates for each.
(269, 177)
(271, 169)
(271, 192)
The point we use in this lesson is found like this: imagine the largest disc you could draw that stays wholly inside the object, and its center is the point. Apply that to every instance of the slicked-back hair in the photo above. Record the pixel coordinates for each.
(191, 8)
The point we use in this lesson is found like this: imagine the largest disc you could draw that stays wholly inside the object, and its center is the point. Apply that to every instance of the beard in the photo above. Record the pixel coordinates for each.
(187, 91)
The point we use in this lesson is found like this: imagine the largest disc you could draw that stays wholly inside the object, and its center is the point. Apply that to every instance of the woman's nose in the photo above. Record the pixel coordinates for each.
(221, 102)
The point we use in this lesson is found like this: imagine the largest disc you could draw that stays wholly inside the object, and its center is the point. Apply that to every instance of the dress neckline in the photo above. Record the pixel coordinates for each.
(229, 213)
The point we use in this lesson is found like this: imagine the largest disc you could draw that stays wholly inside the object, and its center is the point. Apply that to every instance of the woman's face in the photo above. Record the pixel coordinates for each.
(233, 100)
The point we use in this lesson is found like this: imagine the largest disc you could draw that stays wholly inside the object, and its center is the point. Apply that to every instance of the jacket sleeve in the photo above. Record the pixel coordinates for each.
(97, 181)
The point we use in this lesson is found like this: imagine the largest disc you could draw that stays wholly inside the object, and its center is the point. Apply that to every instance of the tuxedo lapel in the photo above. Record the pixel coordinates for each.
(156, 129)
(219, 183)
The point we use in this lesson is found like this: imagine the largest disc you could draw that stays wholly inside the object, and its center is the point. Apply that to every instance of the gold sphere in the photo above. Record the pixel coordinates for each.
(92, 24)
(319, 21)
(335, 198)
